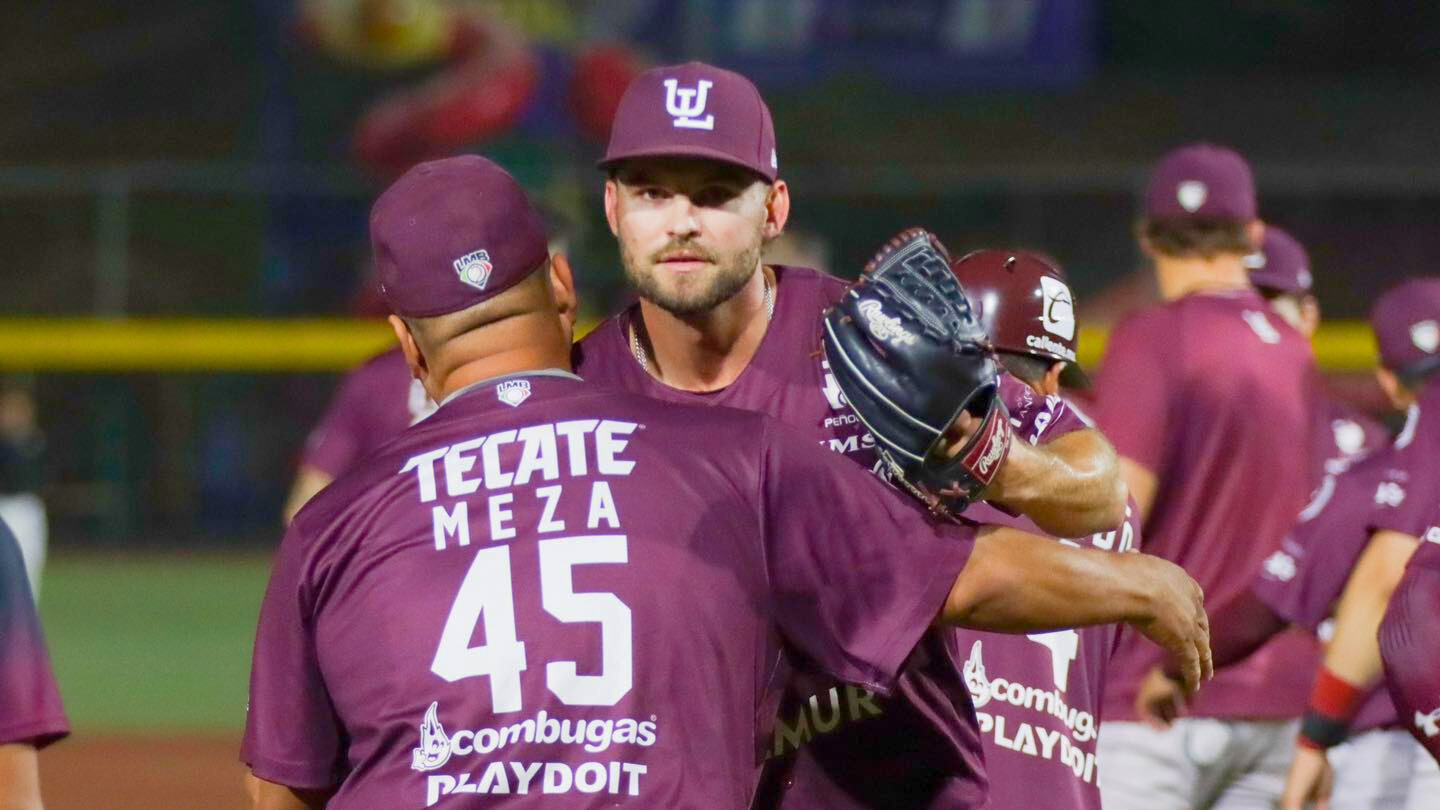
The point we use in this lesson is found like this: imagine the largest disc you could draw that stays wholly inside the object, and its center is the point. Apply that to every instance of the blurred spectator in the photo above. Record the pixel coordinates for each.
(22, 449)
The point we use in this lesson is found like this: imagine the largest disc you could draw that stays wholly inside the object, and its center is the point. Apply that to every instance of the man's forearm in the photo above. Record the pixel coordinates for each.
(1019, 583)
(1240, 628)
(19, 777)
(1070, 487)
(1354, 652)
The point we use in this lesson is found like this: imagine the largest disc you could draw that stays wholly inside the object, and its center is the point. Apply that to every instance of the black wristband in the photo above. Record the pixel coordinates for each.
(1323, 731)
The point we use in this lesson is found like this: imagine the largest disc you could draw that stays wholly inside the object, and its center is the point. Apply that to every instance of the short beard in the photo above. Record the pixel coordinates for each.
(728, 281)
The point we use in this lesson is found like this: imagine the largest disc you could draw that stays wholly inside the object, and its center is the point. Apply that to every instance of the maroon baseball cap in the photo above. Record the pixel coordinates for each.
(1025, 305)
(694, 110)
(1281, 265)
(1201, 181)
(1406, 320)
(452, 233)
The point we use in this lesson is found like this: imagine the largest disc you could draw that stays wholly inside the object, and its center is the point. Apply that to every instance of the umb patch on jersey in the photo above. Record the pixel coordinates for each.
(513, 392)
(474, 268)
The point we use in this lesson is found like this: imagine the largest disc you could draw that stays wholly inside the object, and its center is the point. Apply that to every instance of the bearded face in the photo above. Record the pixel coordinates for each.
(690, 231)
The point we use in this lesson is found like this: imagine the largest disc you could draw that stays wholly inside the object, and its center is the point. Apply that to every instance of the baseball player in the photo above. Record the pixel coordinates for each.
(375, 402)
(1375, 498)
(1206, 397)
(533, 594)
(693, 194)
(31, 716)
(1381, 768)
(1037, 697)
(22, 451)
(1280, 270)
(1409, 640)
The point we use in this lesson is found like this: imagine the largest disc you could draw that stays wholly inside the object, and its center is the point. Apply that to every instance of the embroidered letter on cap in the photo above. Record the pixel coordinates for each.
(686, 105)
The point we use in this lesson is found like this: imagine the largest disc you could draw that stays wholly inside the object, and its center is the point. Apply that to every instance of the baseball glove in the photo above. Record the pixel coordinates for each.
(909, 354)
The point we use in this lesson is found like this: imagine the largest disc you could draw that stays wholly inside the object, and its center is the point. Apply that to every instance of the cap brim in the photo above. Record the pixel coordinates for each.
(679, 150)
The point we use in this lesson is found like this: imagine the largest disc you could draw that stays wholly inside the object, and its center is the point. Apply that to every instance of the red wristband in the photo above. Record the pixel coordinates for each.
(1335, 697)
(1333, 704)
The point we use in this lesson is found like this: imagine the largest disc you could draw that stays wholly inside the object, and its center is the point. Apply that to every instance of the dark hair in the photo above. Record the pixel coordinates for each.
(1026, 367)
(1201, 236)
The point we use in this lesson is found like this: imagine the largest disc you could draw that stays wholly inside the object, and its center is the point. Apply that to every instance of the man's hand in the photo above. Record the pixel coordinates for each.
(1177, 621)
(1310, 781)
(1019, 583)
(1160, 700)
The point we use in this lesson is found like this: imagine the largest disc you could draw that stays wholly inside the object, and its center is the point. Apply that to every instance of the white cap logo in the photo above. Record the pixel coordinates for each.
(1058, 314)
(474, 268)
(1191, 195)
(1254, 261)
(1426, 336)
(686, 105)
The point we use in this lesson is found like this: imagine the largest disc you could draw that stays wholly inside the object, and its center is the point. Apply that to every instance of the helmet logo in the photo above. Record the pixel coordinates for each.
(1058, 314)
(1191, 195)
(1426, 336)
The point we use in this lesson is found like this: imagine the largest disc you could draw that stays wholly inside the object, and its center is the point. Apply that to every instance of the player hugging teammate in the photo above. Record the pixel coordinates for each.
(656, 570)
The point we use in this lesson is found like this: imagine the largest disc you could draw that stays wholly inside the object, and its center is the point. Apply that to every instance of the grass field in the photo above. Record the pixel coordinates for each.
(153, 643)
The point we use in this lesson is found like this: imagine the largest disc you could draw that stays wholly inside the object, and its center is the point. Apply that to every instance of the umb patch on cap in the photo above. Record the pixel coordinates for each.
(1426, 336)
(1191, 194)
(1254, 261)
(474, 268)
(1058, 314)
(686, 105)
(513, 392)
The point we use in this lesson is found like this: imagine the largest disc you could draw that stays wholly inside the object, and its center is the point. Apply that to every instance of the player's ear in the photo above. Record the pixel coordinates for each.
(1256, 233)
(414, 358)
(1050, 383)
(612, 198)
(1395, 391)
(777, 210)
(1310, 314)
(562, 287)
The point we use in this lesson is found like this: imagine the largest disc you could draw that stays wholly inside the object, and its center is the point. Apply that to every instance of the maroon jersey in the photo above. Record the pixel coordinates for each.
(1038, 697)
(836, 746)
(375, 402)
(30, 710)
(1390, 489)
(531, 594)
(1211, 393)
(1410, 643)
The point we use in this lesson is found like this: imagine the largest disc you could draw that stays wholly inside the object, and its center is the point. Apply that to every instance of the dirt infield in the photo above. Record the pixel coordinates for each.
(143, 772)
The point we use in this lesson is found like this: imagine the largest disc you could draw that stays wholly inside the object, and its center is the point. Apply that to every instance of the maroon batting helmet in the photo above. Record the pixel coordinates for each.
(1025, 305)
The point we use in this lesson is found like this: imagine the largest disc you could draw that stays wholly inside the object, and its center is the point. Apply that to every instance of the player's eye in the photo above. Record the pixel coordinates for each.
(715, 196)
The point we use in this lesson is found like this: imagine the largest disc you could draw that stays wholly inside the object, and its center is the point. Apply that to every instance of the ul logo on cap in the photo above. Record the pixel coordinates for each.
(687, 104)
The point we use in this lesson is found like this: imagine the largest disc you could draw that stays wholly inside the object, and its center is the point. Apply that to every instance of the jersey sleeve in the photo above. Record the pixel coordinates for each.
(292, 735)
(1302, 580)
(858, 571)
(1132, 389)
(339, 439)
(30, 708)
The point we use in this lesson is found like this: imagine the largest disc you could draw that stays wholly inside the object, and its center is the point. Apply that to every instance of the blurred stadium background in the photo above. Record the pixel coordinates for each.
(183, 202)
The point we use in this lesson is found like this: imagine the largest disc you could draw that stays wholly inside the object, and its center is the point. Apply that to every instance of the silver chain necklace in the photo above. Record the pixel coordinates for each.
(639, 352)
